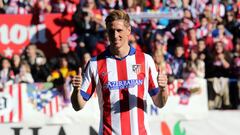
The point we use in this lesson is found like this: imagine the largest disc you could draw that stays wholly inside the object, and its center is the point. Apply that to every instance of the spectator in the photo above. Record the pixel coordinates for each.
(61, 77)
(43, 6)
(238, 8)
(87, 21)
(147, 37)
(81, 49)
(18, 7)
(63, 6)
(235, 77)
(71, 6)
(197, 7)
(33, 55)
(207, 13)
(217, 9)
(173, 4)
(221, 61)
(194, 66)
(202, 49)
(70, 55)
(110, 4)
(37, 61)
(221, 34)
(156, 6)
(58, 6)
(6, 74)
(231, 24)
(188, 21)
(159, 42)
(2, 7)
(40, 8)
(203, 30)
(235, 64)
(158, 57)
(177, 62)
(189, 41)
(136, 5)
(220, 67)
(90, 7)
(16, 61)
(24, 76)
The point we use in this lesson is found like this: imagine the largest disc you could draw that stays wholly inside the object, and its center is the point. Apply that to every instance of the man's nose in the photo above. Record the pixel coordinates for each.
(115, 34)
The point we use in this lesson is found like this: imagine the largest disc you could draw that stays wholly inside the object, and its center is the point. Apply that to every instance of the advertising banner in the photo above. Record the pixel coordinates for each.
(18, 31)
(187, 100)
(11, 103)
(216, 123)
(22, 112)
(46, 105)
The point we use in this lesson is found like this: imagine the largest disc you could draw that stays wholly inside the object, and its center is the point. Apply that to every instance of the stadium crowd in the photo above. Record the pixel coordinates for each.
(204, 43)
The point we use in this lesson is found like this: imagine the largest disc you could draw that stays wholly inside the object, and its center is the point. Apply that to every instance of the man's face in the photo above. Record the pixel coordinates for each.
(179, 51)
(221, 28)
(5, 64)
(219, 47)
(65, 48)
(118, 33)
(204, 22)
(201, 45)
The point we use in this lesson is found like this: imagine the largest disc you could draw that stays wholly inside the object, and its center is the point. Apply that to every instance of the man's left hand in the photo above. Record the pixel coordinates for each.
(162, 79)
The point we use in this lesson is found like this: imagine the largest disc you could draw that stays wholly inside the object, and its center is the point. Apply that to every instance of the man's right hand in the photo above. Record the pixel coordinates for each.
(77, 100)
(77, 80)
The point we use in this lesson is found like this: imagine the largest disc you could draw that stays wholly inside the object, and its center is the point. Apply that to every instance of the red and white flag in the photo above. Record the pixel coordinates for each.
(11, 103)
(53, 106)
(46, 99)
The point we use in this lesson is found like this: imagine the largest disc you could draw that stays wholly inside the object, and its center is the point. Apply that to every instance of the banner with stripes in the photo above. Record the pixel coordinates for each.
(49, 105)
(11, 103)
(45, 99)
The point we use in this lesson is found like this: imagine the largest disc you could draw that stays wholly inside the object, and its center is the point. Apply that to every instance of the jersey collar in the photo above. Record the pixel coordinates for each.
(132, 51)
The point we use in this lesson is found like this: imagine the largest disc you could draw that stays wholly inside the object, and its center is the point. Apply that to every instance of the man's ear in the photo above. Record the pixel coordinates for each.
(129, 30)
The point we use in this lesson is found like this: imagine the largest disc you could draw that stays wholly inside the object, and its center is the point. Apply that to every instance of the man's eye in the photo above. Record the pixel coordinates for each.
(110, 31)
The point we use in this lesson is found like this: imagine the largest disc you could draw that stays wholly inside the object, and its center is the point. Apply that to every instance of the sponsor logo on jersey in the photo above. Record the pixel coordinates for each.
(115, 85)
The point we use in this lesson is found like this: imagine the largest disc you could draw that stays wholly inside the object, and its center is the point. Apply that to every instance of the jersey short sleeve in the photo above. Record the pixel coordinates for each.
(153, 85)
(88, 85)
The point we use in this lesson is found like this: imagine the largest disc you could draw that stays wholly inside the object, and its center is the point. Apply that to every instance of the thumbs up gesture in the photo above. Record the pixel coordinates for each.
(77, 80)
(162, 79)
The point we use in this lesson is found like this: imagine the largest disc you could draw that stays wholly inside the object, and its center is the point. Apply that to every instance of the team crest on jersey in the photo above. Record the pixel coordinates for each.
(136, 68)
(104, 74)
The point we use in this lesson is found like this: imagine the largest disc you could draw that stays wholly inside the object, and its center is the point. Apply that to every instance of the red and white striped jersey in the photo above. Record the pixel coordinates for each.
(122, 86)
(201, 32)
(217, 10)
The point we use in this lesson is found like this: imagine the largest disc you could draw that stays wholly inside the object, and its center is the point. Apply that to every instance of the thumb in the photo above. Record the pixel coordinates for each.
(79, 71)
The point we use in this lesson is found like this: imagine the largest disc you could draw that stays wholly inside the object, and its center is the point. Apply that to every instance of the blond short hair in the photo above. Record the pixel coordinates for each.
(118, 15)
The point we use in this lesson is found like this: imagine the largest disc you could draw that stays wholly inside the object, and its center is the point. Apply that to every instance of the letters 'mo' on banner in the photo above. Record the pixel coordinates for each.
(18, 31)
